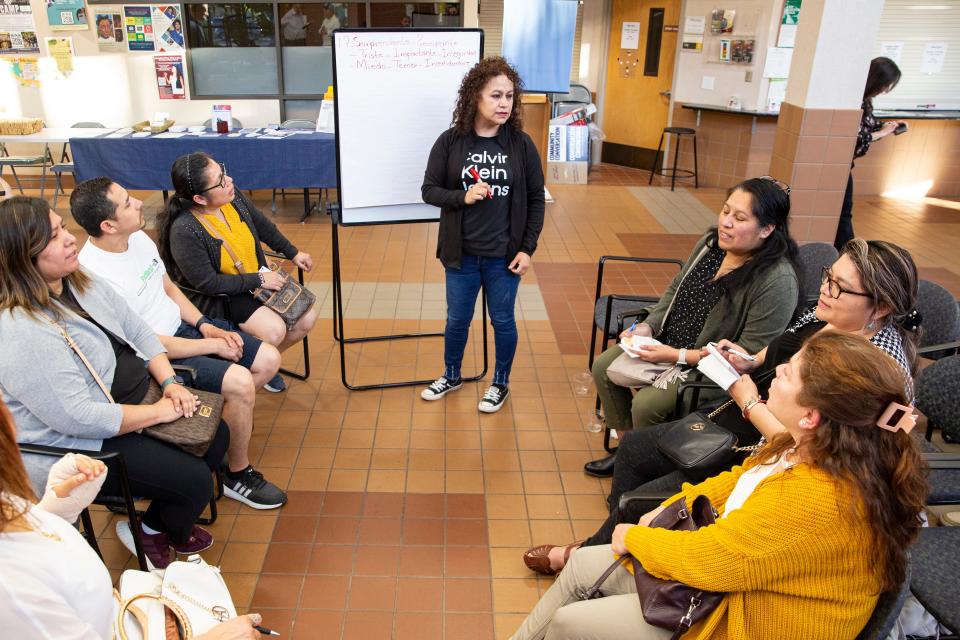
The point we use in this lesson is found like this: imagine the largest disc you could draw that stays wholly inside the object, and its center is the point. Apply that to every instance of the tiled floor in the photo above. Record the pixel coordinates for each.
(407, 519)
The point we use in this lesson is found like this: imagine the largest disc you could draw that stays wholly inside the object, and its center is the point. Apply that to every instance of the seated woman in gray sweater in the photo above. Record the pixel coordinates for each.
(55, 400)
(206, 204)
(739, 283)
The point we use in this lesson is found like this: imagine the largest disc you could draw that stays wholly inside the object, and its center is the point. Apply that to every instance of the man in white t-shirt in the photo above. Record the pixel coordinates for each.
(226, 360)
(330, 22)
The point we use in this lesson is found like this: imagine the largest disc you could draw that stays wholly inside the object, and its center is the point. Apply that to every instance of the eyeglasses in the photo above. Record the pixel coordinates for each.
(222, 182)
(833, 287)
(780, 183)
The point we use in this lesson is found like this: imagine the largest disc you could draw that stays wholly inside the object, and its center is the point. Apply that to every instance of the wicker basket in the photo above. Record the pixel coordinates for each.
(20, 126)
(145, 126)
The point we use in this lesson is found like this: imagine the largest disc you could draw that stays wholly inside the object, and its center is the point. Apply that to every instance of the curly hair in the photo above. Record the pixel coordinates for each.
(465, 113)
(850, 383)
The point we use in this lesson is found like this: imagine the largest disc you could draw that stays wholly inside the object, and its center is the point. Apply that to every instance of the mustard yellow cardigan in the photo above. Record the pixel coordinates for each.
(795, 559)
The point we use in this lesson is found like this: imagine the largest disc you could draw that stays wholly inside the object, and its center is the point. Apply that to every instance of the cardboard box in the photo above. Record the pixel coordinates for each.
(567, 172)
(568, 144)
(581, 114)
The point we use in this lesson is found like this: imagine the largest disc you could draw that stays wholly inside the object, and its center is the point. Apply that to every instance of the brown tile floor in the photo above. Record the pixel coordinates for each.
(407, 519)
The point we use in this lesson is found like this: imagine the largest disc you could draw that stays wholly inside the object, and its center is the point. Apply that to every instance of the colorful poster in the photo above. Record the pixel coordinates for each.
(170, 81)
(18, 32)
(108, 23)
(61, 50)
(168, 27)
(140, 36)
(67, 15)
(26, 70)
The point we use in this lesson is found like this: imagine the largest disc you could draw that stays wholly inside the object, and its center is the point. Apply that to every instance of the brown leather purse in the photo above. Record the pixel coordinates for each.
(192, 435)
(668, 604)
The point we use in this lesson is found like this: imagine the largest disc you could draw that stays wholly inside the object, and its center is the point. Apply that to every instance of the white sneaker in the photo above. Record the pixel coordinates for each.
(439, 388)
(492, 400)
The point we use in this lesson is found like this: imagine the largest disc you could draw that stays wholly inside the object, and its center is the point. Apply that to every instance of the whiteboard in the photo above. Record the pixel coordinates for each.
(395, 94)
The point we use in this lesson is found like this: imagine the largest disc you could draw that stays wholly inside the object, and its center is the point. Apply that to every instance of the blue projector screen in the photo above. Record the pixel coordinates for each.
(538, 41)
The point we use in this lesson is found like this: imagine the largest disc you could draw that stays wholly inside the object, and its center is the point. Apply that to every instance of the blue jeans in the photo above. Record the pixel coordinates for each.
(463, 285)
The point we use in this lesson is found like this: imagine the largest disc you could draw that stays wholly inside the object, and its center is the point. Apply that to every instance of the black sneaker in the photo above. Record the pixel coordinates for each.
(250, 488)
(493, 399)
(440, 387)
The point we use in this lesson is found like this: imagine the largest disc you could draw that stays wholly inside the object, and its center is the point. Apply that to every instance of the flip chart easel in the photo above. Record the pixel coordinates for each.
(395, 93)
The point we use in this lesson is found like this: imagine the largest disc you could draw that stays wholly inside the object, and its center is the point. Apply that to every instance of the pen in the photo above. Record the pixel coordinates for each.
(265, 631)
(476, 176)
(745, 356)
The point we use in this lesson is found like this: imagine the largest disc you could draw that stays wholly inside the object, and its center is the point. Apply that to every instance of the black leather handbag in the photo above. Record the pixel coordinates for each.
(698, 446)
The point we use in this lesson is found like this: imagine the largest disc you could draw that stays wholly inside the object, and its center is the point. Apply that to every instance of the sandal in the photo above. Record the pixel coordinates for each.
(537, 559)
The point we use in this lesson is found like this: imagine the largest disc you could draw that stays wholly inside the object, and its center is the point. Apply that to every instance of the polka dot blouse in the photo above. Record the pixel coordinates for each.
(693, 301)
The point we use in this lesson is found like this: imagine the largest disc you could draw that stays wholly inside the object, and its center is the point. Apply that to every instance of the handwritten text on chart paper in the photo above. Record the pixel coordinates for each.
(404, 52)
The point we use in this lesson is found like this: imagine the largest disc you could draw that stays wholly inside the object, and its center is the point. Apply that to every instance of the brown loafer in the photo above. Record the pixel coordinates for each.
(537, 559)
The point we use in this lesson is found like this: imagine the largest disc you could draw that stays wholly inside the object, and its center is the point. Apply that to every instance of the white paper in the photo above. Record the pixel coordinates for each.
(716, 367)
(776, 94)
(707, 83)
(777, 64)
(892, 50)
(934, 55)
(633, 343)
(140, 134)
(630, 35)
(171, 134)
(788, 35)
(695, 24)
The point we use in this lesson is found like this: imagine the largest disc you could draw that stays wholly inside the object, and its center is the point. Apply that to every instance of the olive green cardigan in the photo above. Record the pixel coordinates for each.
(751, 316)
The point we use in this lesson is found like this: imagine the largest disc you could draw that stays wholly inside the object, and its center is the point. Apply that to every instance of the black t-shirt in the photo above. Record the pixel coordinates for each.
(780, 350)
(486, 223)
(130, 377)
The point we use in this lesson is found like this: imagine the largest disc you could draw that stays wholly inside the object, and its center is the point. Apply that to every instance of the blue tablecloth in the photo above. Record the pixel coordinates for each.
(298, 161)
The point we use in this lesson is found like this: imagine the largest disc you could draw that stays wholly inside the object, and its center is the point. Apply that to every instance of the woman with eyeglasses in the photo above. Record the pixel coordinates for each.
(871, 291)
(740, 280)
(205, 197)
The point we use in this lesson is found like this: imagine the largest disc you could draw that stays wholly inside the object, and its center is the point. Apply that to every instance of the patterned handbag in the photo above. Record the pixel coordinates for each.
(291, 302)
(193, 434)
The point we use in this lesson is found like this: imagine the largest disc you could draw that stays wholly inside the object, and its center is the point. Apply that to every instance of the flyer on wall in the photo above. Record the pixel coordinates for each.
(26, 70)
(170, 81)
(66, 15)
(139, 28)
(168, 27)
(108, 22)
(18, 32)
(61, 50)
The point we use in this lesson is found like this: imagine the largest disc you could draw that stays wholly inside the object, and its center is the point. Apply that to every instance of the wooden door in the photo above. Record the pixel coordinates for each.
(636, 105)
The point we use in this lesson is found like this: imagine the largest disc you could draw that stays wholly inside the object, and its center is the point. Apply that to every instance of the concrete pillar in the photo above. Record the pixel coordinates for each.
(820, 116)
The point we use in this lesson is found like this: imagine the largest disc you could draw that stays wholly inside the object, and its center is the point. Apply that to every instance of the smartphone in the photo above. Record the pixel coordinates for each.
(901, 128)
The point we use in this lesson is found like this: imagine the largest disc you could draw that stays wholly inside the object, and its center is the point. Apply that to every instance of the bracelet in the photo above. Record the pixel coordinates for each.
(750, 405)
(169, 381)
(682, 358)
(202, 321)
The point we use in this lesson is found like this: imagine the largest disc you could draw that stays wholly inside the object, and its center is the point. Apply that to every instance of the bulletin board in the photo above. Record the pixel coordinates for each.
(395, 94)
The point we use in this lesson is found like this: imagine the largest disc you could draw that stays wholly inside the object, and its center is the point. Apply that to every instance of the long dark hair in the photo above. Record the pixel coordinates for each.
(889, 275)
(14, 481)
(851, 383)
(770, 204)
(189, 177)
(24, 233)
(883, 76)
(465, 113)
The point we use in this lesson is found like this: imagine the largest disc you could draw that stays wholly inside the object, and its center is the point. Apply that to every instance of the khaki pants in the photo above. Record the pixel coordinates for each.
(559, 615)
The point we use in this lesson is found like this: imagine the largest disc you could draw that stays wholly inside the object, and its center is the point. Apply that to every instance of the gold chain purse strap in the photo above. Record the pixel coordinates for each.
(218, 612)
(713, 414)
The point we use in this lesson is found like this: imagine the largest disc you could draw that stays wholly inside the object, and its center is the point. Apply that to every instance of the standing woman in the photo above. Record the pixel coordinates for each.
(883, 76)
(485, 175)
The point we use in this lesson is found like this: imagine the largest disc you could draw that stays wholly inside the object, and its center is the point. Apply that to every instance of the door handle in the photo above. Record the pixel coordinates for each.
(665, 94)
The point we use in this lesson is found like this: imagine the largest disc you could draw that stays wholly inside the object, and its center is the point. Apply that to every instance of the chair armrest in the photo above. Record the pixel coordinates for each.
(187, 289)
(273, 254)
(946, 346)
(694, 386)
(945, 460)
(633, 504)
(188, 373)
(59, 452)
(604, 259)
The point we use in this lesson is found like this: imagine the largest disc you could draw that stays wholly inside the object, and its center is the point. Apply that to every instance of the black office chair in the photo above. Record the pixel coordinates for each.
(887, 610)
(935, 580)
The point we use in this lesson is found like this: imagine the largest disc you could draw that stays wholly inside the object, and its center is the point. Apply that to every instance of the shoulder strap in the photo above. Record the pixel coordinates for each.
(212, 230)
(76, 348)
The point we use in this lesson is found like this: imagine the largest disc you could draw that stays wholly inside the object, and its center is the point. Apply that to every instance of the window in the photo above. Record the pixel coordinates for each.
(233, 49)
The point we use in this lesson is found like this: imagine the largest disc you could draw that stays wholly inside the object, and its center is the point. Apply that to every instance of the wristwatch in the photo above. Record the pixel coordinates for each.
(202, 321)
(745, 412)
(682, 358)
(171, 380)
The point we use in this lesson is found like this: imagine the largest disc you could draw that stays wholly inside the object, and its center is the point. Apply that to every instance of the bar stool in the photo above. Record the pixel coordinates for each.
(673, 171)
